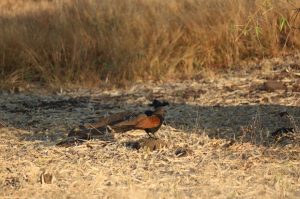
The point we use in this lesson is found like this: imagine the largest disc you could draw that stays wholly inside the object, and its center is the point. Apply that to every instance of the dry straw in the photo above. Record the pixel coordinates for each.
(88, 42)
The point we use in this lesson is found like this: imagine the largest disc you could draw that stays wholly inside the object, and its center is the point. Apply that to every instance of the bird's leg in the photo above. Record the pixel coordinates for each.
(150, 136)
(109, 129)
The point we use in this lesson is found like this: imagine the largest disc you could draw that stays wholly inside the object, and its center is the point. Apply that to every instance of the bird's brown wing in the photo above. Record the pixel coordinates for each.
(148, 123)
(110, 120)
(131, 121)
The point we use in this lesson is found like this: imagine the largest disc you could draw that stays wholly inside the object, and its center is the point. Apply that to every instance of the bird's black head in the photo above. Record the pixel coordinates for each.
(160, 111)
(156, 103)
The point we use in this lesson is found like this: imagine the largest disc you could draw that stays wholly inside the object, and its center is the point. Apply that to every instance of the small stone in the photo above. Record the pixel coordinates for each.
(182, 152)
(133, 145)
(272, 85)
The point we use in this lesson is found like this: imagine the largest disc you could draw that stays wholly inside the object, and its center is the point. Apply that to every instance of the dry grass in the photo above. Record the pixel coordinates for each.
(225, 125)
(109, 170)
(88, 42)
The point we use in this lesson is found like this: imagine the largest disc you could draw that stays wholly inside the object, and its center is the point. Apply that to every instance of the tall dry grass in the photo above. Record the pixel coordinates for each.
(90, 41)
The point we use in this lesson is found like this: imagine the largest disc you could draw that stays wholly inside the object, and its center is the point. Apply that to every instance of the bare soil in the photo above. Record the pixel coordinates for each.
(216, 142)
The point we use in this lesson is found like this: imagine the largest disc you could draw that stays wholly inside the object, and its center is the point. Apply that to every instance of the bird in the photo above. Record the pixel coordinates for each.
(149, 120)
(110, 120)
(156, 104)
(150, 123)
(124, 116)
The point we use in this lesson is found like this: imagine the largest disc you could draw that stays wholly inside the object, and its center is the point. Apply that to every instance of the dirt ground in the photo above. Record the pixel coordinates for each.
(218, 139)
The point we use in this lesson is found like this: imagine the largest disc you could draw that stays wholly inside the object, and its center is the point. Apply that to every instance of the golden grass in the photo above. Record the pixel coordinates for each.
(88, 42)
(226, 126)
(109, 170)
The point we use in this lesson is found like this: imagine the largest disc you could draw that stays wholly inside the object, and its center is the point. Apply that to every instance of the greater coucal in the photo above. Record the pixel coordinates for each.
(124, 116)
(150, 122)
(111, 119)
(156, 104)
